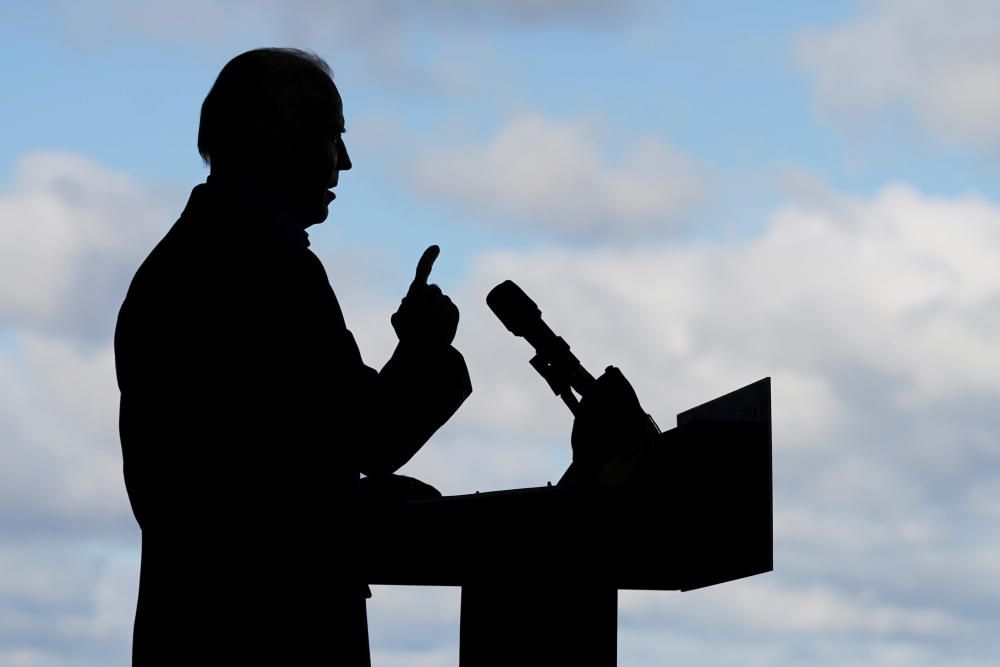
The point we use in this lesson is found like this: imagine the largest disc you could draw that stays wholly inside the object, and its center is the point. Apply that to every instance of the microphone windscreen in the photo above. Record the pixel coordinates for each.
(514, 308)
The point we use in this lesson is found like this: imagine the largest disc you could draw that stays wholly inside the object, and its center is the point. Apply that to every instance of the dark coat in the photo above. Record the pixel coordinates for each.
(247, 416)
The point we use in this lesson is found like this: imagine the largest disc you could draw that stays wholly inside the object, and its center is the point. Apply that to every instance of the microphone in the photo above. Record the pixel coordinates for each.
(553, 359)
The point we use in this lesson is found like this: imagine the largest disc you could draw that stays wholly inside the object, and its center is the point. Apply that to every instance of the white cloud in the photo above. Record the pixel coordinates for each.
(414, 624)
(378, 34)
(774, 630)
(65, 603)
(62, 469)
(762, 605)
(535, 11)
(876, 318)
(871, 315)
(940, 60)
(552, 175)
(332, 19)
(903, 285)
(74, 234)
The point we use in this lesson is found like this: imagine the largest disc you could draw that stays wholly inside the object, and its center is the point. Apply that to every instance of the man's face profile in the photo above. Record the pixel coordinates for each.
(314, 162)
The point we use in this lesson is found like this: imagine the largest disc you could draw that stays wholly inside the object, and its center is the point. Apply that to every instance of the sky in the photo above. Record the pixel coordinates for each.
(700, 193)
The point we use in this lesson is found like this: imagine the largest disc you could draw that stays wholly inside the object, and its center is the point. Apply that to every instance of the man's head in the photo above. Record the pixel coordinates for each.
(274, 119)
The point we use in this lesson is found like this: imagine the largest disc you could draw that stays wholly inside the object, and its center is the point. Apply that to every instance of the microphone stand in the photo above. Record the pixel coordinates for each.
(563, 373)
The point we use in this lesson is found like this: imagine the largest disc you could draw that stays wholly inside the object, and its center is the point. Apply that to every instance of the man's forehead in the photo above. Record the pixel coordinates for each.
(338, 114)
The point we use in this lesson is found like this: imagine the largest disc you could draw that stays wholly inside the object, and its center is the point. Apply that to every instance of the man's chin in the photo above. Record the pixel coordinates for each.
(318, 219)
(315, 216)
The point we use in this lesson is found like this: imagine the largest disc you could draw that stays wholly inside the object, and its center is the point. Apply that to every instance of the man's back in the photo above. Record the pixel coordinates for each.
(243, 401)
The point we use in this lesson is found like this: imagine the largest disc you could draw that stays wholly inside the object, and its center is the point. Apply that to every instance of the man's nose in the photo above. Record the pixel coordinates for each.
(343, 160)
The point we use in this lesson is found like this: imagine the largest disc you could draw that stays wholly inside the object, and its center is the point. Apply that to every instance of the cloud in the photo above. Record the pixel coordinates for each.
(534, 12)
(59, 427)
(414, 620)
(939, 61)
(903, 285)
(354, 22)
(74, 234)
(755, 606)
(875, 316)
(553, 175)
(378, 34)
(62, 602)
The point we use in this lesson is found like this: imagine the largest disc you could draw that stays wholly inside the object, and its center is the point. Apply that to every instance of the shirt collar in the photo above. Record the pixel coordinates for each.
(286, 222)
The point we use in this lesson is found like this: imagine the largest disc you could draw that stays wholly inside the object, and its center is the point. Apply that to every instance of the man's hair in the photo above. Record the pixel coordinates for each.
(264, 101)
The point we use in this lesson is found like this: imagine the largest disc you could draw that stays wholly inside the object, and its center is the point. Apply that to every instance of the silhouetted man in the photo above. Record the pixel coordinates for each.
(247, 414)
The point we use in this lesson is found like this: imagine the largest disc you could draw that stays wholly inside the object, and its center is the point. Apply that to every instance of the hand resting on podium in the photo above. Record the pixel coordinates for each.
(394, 489)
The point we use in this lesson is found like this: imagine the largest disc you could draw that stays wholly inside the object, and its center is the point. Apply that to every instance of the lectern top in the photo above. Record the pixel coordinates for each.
(751, 403)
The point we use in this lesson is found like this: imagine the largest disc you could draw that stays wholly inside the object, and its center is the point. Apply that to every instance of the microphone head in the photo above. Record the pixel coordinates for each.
(517, 312)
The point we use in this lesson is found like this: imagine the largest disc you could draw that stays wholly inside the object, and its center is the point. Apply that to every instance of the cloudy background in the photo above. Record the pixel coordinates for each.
(702, 193)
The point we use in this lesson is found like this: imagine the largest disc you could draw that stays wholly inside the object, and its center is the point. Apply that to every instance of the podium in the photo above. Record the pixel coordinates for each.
(540, 568)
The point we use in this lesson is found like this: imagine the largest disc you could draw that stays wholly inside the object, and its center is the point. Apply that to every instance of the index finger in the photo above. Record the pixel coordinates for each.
(425, 265)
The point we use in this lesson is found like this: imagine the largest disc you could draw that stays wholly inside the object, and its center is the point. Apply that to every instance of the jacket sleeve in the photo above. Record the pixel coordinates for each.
(393, 412)
(416, 392)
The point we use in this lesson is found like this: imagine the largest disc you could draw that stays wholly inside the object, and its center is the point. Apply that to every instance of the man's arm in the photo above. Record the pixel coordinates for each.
(381, 418)
(425, 381)
(417, 391)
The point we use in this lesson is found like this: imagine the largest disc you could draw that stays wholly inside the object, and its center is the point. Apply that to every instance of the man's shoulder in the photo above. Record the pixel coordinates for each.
(211, 241)
(217, 250)
(176, 255)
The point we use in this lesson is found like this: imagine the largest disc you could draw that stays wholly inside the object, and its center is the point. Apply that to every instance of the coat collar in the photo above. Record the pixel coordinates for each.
(246, 201)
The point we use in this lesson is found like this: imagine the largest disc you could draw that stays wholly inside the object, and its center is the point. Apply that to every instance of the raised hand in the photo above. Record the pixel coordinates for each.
(426, 314)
